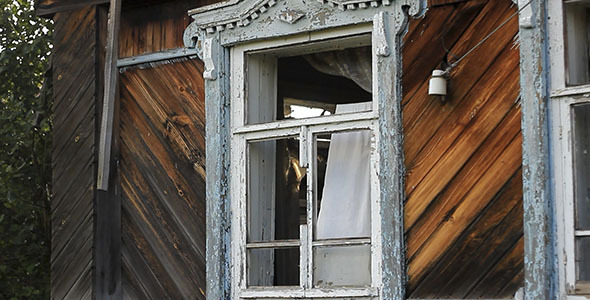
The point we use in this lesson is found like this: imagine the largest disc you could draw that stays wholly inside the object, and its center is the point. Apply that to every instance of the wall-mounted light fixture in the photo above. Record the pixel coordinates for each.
(437, 86)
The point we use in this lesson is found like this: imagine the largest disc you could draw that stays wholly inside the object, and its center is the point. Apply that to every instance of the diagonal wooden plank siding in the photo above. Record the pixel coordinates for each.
(152, 26)
(73, 156)
(163, 182)
(463, 214)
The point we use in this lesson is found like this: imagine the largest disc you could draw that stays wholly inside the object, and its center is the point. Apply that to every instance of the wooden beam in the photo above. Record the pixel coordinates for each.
(110, 88)
(107, 283)
(156, 57)
(46, 8)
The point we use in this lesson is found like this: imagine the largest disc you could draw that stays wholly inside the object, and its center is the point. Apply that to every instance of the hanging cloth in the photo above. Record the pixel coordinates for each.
(345, 210)
(352, 63)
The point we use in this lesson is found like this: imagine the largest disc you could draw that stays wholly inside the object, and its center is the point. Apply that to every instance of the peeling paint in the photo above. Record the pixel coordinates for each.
(214, 42)
(540, 261)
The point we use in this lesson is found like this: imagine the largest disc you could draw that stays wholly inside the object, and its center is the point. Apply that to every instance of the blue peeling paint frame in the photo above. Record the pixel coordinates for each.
(541, 272)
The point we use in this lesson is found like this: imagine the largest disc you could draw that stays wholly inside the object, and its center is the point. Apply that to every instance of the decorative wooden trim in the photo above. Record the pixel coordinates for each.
(387, 92)
(217, 103)
(301, 16)
(214, 44)
(241, 13)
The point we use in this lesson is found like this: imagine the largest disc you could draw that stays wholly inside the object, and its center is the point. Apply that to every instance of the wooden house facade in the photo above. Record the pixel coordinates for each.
(471, 192)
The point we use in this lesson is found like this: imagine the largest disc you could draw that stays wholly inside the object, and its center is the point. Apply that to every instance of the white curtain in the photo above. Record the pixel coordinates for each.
(345, 209)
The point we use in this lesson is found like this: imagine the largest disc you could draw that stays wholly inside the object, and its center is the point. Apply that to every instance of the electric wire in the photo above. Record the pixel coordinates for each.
(455, 63)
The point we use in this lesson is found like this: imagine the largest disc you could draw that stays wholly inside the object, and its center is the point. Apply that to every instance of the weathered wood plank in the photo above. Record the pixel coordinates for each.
(423, 114)
(460, 156)
(494, 284)
(163, 187)
(459, 136)
(447, 232)
(454, 192)
(479, 247)
(440, 25)
(72, 208)
(49, 7)
(107, 240)
(155, 27)
(111, 78)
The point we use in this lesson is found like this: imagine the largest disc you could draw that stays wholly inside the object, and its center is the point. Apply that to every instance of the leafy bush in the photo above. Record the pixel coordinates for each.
(25, 152)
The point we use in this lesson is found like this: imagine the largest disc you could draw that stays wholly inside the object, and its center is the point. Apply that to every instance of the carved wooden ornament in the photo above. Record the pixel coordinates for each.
(238, 21)
(219, 32)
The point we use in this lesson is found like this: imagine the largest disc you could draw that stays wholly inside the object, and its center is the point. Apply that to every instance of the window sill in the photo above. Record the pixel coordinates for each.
(297, 292)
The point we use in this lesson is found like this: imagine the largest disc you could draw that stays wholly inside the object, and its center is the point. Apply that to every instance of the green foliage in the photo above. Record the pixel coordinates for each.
(25, 151)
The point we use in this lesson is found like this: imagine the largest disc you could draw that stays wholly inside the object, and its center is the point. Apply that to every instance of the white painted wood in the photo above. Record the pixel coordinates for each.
(303, 147)
(311, 206)
(261, 89)
(238, 210)
(296, 123)
(557, 47)
(351, 36)
(559, 187)
(376, 216)
(253, 83)
(303, 257)
(273, 244)
(582, 232)
(260, 206)
(298, 293)
(342, 242)
(208, 54)
(525, 15)
(572, 91)
(381, 40)
(563, 183)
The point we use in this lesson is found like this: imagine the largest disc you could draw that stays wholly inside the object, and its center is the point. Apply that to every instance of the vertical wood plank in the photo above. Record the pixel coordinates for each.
(110, 88)
(217, 104)
(539, 267)
(107, 239)
(387, 71)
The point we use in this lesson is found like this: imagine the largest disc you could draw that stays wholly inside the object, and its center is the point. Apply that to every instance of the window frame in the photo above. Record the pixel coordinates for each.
(242, 133)
(565, 188)
(562, 98)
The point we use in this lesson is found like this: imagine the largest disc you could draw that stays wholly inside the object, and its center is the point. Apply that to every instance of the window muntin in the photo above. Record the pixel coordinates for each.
(264, 127)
